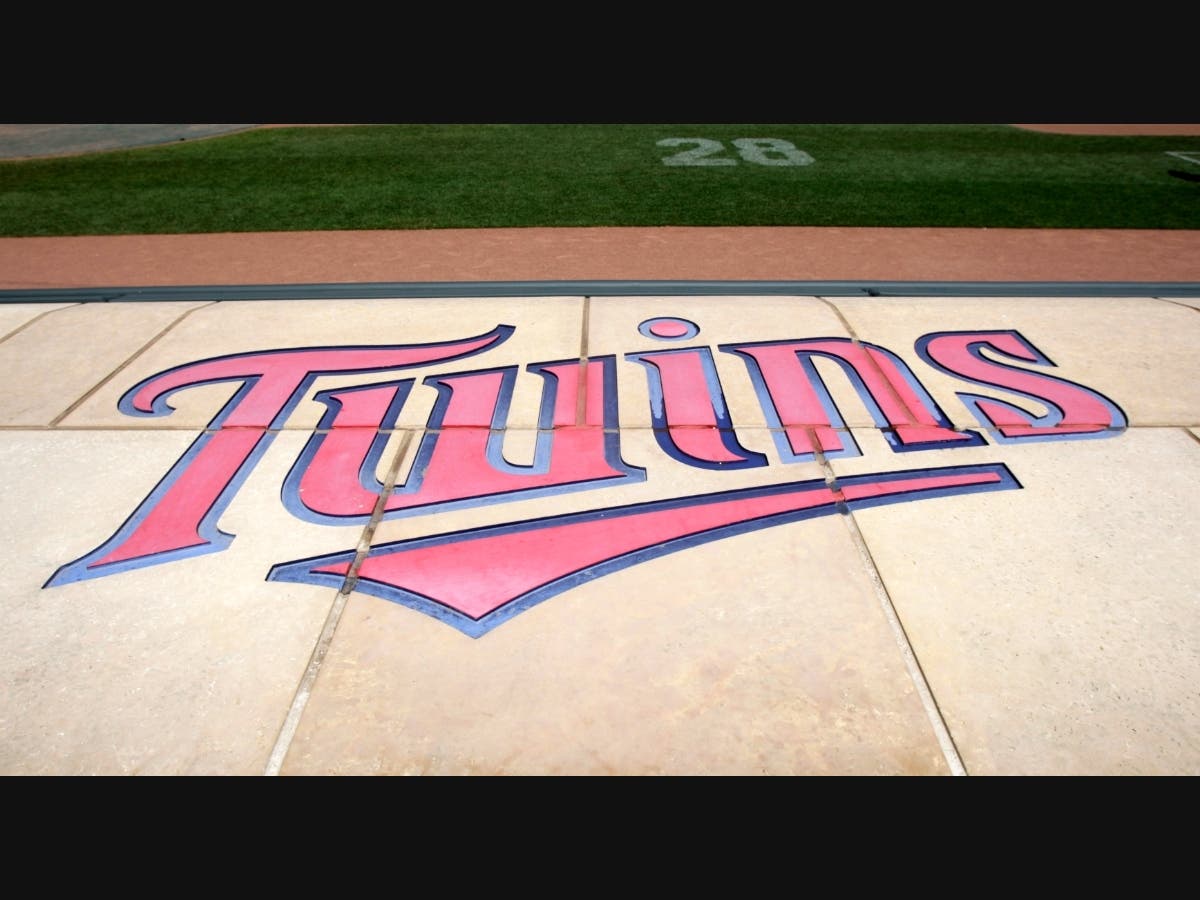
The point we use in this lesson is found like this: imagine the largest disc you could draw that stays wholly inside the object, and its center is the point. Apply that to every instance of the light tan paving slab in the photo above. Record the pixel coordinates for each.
(1138, 352)
(187, 667)
(613, 329)
(59, 358)
(764, 652)
(1057, 624)
(1187, 301)
(546, 329)
(14, 315)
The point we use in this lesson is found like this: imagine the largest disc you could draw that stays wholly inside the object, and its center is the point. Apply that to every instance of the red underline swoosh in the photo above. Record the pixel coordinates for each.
(475, 579)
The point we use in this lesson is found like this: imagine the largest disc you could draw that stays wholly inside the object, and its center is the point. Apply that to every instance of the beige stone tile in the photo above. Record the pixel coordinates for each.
(14, 315)
(613, 330)
(1140, 353)
(1057, 623)
(56, 360)
(1137, 352)
(546, 330)
(187, 667)
(764, 652)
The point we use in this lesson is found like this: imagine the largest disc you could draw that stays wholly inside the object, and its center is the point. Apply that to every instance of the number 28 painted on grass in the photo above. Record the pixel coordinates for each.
(763, 151)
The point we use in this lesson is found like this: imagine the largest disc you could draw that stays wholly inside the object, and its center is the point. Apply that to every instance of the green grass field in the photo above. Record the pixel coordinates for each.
(477, 176)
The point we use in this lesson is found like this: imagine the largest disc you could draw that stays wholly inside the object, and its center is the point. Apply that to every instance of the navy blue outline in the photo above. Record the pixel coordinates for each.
(624, 472)
(833, 414)
(749, 459)
(941, 420)
(301, 571)
(1055, 413)
(160, 406)
(214, 539)
(692, 328)
(368, 480)
(778, 430)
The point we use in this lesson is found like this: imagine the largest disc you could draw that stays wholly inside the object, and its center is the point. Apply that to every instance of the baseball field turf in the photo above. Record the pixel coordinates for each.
(478, 176)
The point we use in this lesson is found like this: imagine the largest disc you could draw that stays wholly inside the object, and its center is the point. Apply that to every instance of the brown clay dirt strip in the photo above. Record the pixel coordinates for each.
(551, 254)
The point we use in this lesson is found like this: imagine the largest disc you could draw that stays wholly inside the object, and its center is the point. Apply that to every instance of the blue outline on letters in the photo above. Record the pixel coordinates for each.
(215, 540)
(301, 571)
(1054, 415)
(692, 329)
(749, 459)
(835, 420)
(624, 472)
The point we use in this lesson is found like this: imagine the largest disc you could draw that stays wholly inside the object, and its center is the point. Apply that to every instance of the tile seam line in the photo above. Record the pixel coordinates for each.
(1175, 302)
(871, 361)
(34, 320)
(581, 389)
(912, 664)
(291, 721)
(128, 362)
(911, 661)
(603, 288)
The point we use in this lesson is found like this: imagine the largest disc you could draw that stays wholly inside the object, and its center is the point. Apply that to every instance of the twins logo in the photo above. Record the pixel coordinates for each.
(477, 578)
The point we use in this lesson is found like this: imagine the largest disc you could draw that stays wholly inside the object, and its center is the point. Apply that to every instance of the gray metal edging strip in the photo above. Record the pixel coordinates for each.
(451, 289)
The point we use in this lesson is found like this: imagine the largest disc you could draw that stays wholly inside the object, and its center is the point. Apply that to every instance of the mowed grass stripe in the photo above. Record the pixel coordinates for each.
(477, 176)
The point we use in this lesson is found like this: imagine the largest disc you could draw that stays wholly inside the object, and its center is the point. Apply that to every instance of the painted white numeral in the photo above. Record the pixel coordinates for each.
(755, 150)
(700, 156)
